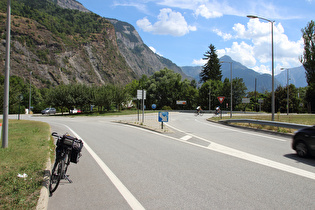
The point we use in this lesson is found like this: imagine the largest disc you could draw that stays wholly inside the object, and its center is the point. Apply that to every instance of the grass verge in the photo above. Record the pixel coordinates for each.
(27, 153)
(305, 119)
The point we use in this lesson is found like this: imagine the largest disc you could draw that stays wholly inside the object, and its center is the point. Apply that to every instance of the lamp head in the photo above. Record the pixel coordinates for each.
(252, 16)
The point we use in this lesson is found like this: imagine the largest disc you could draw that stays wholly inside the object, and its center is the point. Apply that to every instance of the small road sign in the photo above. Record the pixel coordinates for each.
(139, 94)
(163, 116)
(221, 99)
(181, 102)
(245, 100)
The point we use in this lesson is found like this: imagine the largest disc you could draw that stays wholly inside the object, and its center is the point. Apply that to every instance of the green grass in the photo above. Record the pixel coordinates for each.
(27, 152)
(305, 119)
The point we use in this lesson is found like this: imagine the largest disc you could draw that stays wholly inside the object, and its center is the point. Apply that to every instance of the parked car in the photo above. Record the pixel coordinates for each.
(49, 111)
(75, 111)
(304, 142)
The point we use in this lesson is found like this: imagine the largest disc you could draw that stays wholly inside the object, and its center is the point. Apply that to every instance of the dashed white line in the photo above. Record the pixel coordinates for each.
(185, 138)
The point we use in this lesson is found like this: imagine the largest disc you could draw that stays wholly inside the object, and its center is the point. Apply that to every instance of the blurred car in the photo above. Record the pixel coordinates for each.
(75, 111)
(304, 142)
(49, 111)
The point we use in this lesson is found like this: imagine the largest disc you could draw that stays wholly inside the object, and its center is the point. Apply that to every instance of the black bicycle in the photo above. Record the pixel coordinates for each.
(68, 150)
(199, 113)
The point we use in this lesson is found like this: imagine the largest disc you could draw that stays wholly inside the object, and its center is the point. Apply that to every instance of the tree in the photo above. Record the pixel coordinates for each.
(120, 96)
(308, 61)
(215, 89)
(163, 88)
(212, 69)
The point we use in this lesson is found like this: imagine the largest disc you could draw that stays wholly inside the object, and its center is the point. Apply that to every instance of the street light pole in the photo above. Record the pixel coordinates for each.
(29, 105)
(210, 96)
(5, 127)
(272, 70)
(231, 86)
(287, 89)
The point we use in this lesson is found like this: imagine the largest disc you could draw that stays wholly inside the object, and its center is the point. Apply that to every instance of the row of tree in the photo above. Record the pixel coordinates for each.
(163, 88)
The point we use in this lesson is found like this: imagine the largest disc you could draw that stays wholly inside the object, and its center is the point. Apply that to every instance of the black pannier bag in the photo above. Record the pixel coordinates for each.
(76, 151)
(76, 147)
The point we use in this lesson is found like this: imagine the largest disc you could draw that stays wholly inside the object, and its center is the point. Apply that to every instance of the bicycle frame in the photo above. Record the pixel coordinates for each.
(62, 161)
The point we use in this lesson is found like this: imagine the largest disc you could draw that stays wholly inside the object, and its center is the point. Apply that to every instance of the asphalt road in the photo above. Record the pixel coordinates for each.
(200, 165)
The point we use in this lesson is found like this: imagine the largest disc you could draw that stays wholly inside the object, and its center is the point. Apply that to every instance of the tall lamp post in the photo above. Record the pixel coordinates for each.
(287, 89)
(272, 70)
(5, 127)
(29, 105)
(231, 86)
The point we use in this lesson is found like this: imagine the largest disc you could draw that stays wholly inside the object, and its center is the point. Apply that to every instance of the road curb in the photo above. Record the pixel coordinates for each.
(144, 126)
(42, 203)
(254, 129)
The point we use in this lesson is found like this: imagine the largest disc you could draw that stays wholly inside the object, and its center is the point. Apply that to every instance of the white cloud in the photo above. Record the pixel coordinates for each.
(204, 11)
(242, 53)
(225, 36)
(262, 69)
(257, 54)
(154, 50)
(199, 62)
(169, 23)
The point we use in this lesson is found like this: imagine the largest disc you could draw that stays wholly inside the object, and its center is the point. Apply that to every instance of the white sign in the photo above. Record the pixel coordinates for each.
(245, 100)
(139, 94)
(181, 102)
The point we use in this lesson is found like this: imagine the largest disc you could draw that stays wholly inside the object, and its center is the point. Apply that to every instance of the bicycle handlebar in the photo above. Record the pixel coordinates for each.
(66, 136)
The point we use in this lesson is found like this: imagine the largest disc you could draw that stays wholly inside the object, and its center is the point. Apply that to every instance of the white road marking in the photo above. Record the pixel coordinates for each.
(250, 133)
(249, 157)
(131, 200)
(185, 138)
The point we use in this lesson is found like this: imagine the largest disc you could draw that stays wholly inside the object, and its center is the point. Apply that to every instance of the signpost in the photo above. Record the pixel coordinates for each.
(181, 102)
(260, 101)
(141, 95)
(221, 99)
(245, 100)
(163, 117)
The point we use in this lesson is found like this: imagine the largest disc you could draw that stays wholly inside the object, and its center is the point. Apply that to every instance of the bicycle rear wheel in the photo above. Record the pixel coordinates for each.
(55, 177)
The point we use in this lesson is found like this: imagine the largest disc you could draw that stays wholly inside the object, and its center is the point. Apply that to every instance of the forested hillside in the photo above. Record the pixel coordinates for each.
(61, 46)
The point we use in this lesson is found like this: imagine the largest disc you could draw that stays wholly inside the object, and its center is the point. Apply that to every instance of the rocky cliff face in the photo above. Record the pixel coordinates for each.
(116, 54)
(70, 4)
(138, 55)
(53, 61)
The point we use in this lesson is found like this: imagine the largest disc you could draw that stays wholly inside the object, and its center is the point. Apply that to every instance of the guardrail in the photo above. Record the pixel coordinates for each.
(265, 122)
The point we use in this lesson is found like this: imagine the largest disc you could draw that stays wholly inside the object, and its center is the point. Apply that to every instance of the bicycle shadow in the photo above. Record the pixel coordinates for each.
(309, 161)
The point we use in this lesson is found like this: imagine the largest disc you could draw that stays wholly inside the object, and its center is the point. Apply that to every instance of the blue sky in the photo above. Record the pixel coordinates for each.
(182, 30)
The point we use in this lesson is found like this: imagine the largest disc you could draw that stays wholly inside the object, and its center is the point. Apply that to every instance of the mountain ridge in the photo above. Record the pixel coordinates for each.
(249, 75)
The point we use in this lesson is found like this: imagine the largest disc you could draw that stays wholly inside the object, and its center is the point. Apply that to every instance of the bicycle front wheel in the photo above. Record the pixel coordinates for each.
(55, 176)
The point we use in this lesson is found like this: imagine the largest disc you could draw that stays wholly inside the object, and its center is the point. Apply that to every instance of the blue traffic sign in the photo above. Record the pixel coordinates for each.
(163, 116)
(153, 106)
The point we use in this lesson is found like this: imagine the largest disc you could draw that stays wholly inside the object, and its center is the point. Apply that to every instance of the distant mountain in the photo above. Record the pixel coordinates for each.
(138, 55)
(297, 77)
(249, 75)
